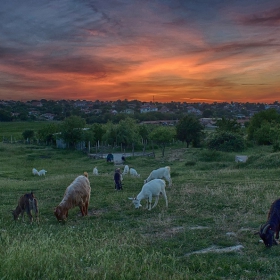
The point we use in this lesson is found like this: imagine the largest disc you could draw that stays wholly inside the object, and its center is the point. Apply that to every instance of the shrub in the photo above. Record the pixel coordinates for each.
(190, 163)
(226, 142)
(276, 147)
(210, 156)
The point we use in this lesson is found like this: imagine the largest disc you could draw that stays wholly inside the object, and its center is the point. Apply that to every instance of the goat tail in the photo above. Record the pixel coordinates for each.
(86, 174)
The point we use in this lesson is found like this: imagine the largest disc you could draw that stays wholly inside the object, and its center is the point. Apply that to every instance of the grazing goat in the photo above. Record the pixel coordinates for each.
(133, 172)
(126, 170)
(76, 194)
(151, 189)
(42, 172)
(272, 226)
(26, 203)
(35, 171)
(163, 172)
(95, 171)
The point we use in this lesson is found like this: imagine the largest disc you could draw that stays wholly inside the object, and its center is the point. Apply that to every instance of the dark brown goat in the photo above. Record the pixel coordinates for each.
(26, 203)
(272, 226)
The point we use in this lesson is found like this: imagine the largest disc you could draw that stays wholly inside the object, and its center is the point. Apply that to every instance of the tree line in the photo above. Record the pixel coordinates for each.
(262, 129)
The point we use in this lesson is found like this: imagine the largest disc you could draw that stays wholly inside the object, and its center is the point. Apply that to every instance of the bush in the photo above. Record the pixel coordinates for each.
(276, 147)
(226, 142)
(210, 156)
(190, 163)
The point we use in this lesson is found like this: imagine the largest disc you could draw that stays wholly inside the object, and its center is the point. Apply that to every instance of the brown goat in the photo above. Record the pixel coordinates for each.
(76, 194)
(26, 203)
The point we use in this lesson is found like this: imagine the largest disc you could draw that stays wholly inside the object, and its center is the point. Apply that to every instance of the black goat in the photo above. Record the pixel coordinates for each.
(272, 226)
(26, 203)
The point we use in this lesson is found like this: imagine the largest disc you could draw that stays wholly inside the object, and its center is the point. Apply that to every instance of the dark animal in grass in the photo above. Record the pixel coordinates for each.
(76, 194)
(26, 203)
(272, 226)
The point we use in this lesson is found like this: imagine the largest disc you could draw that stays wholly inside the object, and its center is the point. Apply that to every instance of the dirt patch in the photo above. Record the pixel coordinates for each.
(176, 155)
(215, 249)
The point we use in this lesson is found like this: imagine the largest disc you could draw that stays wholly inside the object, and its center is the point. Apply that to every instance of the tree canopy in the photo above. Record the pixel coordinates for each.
(162, 135)
(72, 130)
(264, 127)
(189, 130)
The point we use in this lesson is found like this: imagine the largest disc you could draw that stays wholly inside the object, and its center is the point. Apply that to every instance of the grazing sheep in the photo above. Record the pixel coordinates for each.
(151, 189)
(42, 172)
(272, 226)
(95, 171)
(76, 194)
(133, 172)
(126, 170)
(35, 171)
(26, 203)
(163, 172)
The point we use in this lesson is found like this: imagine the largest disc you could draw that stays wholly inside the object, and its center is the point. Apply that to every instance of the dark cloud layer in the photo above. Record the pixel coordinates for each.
(137, 49)
(269, 17)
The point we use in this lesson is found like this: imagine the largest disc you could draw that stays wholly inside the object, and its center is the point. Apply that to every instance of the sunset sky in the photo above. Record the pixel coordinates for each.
(166, 50)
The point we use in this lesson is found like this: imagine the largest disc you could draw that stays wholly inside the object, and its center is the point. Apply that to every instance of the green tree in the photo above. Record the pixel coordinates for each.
(162, 135)
(189, 130)
(267, 133)
(264, 122)
(99, 131)
(226, 141)
(144, 132)
(28, 134)
(5, 116)
(110, 135)
(72, 130)
(46, 134)
(127, 132)
(230, 125)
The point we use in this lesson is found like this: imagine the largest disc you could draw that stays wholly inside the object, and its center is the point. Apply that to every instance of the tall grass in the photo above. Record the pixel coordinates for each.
(208, 200)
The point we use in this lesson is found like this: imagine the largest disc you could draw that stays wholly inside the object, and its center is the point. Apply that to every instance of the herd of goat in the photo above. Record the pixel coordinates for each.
(78, 194)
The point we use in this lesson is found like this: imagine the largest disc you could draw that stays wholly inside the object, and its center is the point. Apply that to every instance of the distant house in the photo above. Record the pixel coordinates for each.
(36, 103)
(271, 106)
(80, 103)
(148, 108)
(48, 116)
(209, 122)
(60, 144)
(164, 109)
(161, 122)
(192, 110)
(97, 111)
(33, 113)
(128, 111)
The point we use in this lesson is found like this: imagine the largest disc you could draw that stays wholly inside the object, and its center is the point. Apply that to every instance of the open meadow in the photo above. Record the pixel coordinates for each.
(214, 203)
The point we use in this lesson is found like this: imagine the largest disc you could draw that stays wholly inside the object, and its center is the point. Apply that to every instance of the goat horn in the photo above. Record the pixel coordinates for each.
(265, 228)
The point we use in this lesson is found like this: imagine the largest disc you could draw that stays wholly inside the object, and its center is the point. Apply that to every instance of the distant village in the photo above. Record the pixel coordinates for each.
(144, 112)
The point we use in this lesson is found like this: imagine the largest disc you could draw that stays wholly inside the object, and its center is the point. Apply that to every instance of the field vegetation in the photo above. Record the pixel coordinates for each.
(214, 201)
(117, 241)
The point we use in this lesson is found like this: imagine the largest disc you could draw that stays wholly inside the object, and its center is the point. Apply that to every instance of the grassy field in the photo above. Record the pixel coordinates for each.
(14, 130)
(213, 202)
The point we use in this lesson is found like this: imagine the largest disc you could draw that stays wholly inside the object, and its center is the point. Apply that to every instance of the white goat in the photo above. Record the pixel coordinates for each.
(35, 171)
(163, 172)
(95, 171)
(42, 172)
(151, 189)
(133, 172)
(125, 170)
